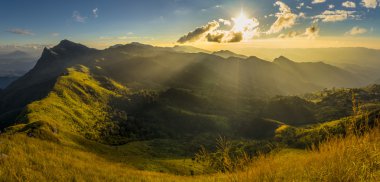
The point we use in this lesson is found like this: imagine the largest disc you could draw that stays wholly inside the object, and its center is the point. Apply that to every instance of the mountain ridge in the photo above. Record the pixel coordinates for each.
(139, 66)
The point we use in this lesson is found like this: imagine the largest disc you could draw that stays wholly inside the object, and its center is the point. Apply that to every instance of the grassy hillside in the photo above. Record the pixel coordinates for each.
(77, 103)
(23, 158)
(113, 115)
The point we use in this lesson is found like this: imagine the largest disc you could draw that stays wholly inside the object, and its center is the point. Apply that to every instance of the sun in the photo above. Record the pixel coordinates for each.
(241, 22)
(244, 25)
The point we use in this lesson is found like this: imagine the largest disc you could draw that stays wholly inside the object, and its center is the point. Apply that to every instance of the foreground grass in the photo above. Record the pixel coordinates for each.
(340, 159)
(353, 158)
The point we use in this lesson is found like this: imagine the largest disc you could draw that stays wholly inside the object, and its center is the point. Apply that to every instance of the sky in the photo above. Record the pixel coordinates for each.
(211, 24)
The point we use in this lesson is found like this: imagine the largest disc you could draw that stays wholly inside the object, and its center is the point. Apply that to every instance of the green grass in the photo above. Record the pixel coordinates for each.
(78, 103)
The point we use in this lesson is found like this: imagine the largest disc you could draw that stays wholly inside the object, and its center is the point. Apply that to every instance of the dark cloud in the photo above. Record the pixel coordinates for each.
(199, 33)
(241, 28)
(215, 37)
(311, 32)
(235, 37)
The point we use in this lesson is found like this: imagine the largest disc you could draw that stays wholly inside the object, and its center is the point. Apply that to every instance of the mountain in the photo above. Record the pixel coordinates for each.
(16, 63)
(228, 54)
(140, 81)
(319, 72)
(189, 49)
(358, 60)
(5, 81)
(139, 107)
(37, 83)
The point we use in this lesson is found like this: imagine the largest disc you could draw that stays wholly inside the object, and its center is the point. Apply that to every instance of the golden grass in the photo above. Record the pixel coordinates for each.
(340, 159)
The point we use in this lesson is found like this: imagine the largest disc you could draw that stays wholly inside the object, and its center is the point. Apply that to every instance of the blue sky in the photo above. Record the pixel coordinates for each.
(101, 23)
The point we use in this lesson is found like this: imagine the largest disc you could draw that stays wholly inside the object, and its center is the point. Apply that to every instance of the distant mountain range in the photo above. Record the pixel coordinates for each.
(16, 63)
(144, 66)
(228, 54)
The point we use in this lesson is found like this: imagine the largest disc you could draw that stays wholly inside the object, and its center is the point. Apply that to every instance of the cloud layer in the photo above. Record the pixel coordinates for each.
(336, 15)
(20, 31)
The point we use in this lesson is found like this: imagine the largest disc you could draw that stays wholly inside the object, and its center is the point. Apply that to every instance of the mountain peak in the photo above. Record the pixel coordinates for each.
(65, 49)
(282, 59)
(66, 44)
(227, 54)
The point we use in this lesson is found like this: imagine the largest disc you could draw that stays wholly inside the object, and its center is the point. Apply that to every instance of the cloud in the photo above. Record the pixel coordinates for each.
(55, 34)
(95, 12)
(78, 18)
(369, 3)
(349, 4)
(356, 31)
(300, 5)
(235, 37)
(331, 6)
(318, 1)
(242, 28)
(302, 15)
(199, 33)
(20, 31)
(311, 32)
(225, 22)
(285, 18)
(291, 34)
(220, 36)
(215, 36)
(337, 15)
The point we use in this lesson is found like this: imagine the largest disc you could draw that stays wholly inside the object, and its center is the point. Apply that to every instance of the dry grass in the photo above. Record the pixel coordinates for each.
(355, 158)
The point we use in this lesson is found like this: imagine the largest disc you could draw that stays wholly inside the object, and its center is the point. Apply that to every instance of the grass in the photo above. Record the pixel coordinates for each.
(23, 158)
(355, 158)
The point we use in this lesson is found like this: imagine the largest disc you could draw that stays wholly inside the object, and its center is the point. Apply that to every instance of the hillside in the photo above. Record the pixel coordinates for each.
(332, 161)
(137, 107)
(164, 86)
(6, 80)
